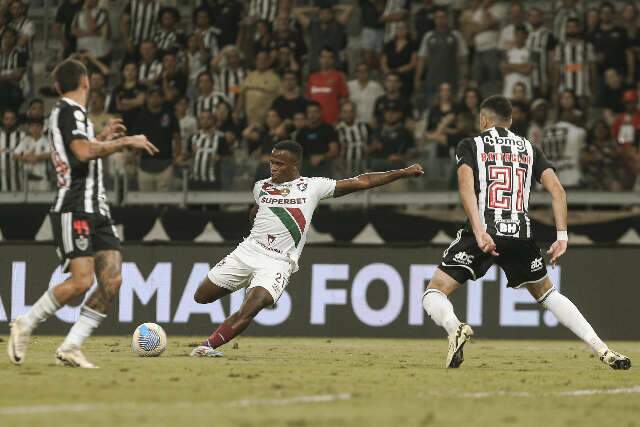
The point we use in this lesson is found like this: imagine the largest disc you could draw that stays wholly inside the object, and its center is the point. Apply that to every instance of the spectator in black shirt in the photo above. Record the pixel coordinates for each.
(64, 19)
(393, 88)
(320, 143)
(400, 55)
(173, 81)
(290, 102)
(612, 46)
(128, 97)
(263, 139)
(372, 35)
(13, 64)
(611, 95)
(227, 15)
(285, 36)
(159, 124)
(391, 142)
(424, 19)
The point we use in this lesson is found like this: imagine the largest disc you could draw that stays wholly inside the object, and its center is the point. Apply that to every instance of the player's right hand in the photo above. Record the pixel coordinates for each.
(556, 251)
(140, 142)
(486, 243)
(414, 170)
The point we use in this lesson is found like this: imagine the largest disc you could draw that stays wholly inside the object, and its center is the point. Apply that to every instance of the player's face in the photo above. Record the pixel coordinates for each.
(284, 166)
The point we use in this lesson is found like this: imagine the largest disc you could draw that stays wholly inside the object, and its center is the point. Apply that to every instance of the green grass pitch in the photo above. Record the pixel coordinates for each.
(322, 382)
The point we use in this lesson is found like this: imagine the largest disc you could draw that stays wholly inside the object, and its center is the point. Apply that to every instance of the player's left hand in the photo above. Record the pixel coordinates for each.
(556, 251)
(414, 171)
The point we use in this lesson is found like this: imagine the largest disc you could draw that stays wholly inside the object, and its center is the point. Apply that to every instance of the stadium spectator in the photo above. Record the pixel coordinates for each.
(160, 125)
(187, 122)
(226, 125)
(206, 148)
(206, 97)
(568, 109)
(266, 10)
(290, 100)
(149, 67)
(517, 65)
(441, 121)
(139, 22)
(354, 137)
(612, 45)
(372, 34)
(92, 30)
(13, 64)
(395, 11)
(299, 123)
(261, 141)
(97, 111)
(607, 165)
(324, 30)
(258, 91)
(424, 19)
(483, 22)
(65, 15)
(539, 121)
(540, 43)
(611, 96)
(92, 63)
(25, 27)
(390, 143)
(520, 118)
(206, 34)
(227, 16)
(196, 61)
(626, 126)
(98, 82)
(262, 38)
(34, 151)
(285, 60)
(592, 21)
(35, 111)
(519, 93)
(574, 67)
(284, 35)
(172, 80)
(168, 37)
(568, 9)
(128, 97)
(563, 143)
(393, 92)
(471, 103)
(632, 26)
(10, 139)
(320, 143)
(364, 92)
(517, 17)
(328, 87)
(400, 56)
(443, 53)
(229, 72)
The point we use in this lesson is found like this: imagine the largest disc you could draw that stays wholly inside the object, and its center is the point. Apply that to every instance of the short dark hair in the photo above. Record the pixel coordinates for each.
(172, 10)
(290, 146)
(574, 20)
(314, 103)
(327, 48)
(499, 105)
(35, 101)
(67, 75)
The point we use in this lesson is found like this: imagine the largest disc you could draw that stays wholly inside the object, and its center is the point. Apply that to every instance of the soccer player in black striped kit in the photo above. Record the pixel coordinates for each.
(495, 173)
(86, 239)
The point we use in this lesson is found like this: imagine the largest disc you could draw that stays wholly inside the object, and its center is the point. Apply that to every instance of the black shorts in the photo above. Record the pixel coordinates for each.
(80, 234)
(521, 260)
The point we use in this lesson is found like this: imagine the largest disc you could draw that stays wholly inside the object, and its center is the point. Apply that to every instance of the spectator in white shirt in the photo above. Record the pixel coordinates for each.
(34, 152)
(517, 16)
(516, 66)
(363, 92)
(92, 30)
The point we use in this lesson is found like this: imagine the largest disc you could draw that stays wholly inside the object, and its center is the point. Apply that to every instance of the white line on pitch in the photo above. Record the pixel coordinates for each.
(91, 407)
(568, 393)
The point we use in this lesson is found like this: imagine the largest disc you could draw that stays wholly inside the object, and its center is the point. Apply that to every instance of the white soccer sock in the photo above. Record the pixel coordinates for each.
(440, 309)
(44, 308)
(89, 320)
(569, 315)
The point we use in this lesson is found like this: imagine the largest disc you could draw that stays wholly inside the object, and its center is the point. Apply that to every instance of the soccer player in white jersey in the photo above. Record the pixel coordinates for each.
(265, 260)
(495, 171)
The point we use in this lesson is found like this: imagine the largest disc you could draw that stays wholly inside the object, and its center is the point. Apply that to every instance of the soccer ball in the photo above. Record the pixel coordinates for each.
(149, 340)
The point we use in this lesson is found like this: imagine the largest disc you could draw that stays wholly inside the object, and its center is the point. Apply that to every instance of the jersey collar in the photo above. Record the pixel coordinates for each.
(72, 102)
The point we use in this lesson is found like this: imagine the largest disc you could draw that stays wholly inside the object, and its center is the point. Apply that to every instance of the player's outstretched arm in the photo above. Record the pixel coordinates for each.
(375, 179)
(466, 185)
(551, 183)
(86, 150)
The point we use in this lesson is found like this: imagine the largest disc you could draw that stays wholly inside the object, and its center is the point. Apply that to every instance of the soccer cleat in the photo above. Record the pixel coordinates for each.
(73, 358)
(615, 360)
(205, 351)
(18, 340)
(457, 340)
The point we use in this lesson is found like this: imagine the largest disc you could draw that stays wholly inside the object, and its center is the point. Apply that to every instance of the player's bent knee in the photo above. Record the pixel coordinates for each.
(82, 283)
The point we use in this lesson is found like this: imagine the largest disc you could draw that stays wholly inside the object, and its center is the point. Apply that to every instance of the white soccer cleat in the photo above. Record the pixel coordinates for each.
(73, 358)
(205, 351)
(615, 360)
(457, 340)
(18, 340)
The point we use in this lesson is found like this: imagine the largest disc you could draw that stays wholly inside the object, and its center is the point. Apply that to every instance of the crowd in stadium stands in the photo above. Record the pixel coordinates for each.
(215, 90)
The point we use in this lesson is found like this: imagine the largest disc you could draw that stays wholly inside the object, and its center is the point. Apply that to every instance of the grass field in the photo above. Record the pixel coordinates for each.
(322, 382)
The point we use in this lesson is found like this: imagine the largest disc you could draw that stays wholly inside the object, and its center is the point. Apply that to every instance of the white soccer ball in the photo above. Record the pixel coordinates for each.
(149, 339)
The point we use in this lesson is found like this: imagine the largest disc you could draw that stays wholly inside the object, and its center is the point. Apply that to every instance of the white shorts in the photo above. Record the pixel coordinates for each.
(245, 267)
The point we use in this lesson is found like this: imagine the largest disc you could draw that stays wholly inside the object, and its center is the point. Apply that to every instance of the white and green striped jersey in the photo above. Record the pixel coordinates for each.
(284, 214)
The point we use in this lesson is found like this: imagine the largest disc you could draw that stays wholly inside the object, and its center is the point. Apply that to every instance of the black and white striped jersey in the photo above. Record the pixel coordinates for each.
(210, 41)
(228, 81)
(208, 102)
(354, 140)
(504, 165)
(574, 59)
(166, 40)
(80, 184)
(264, 9)
(206, 147)
(12, 61)
(152, 71)
(540, 43)
(143, 22)
(10, 169)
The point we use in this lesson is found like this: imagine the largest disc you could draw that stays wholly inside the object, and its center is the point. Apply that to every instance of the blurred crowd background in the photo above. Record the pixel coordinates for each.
(363, 85)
